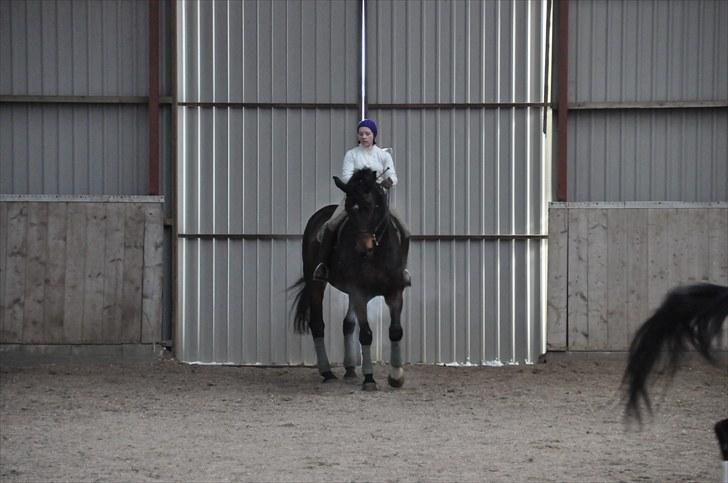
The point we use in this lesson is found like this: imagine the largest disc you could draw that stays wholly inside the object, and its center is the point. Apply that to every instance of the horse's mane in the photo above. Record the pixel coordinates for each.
(363, 181)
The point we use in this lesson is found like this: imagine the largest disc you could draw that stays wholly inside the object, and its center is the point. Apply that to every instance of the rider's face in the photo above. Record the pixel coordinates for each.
(366, 137)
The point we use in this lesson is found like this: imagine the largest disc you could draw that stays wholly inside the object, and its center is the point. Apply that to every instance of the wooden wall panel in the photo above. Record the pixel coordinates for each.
(623, 258)
(153, 274)
(557, 281)
(16, 257)
(80, 271)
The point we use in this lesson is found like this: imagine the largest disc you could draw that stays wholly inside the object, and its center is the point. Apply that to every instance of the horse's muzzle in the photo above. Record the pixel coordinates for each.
(365, 243)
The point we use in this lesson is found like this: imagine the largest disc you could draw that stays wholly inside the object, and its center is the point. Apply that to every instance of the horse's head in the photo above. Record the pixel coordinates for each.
(366, 205)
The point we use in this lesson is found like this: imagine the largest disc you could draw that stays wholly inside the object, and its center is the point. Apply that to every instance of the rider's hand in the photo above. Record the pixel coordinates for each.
(387, 183)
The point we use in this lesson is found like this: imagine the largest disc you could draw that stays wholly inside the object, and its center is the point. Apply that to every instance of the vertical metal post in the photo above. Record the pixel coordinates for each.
(172, 203)
(153, 97)
(363, 61)
(563, 101)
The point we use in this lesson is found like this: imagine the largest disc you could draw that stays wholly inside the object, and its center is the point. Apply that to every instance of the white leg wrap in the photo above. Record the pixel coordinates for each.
(396, 355)
(366, 363)
(351, 351)
(725, 471)
(396, 373)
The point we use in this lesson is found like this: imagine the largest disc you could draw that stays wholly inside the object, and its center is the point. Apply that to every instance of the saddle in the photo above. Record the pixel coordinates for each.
(320, 232)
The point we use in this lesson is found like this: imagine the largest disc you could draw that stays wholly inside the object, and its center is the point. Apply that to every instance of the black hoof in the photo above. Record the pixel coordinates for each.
(350, 373)
(369, 384)
(395, 382)
(328, 376)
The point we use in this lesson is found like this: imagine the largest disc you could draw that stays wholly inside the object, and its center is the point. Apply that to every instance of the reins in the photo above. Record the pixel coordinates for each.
(382, 224)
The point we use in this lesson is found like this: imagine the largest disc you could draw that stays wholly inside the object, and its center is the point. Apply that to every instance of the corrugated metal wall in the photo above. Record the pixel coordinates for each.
(653, 155)
(251, 173)
(256, 170)
(648, 52)
(80, 49)
(74, 149)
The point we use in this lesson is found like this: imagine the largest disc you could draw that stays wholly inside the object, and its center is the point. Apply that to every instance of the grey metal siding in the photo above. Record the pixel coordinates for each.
(79, 48)
(256, 171)
(467, 170)
(652, 155)
(74, 48)
(648, 52)
(74, 149)
(260, 171)
(456, 51)
(261, 51)
(234, 306)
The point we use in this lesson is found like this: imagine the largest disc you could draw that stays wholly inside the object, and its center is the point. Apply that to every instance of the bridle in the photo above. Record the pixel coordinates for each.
(381, 227)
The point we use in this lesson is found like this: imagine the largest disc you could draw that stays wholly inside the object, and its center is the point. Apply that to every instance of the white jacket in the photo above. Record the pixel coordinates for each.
(374, 158)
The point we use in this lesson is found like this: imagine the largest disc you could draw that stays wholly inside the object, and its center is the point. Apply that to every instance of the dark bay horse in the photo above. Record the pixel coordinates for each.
(690, 316)
(366, 262)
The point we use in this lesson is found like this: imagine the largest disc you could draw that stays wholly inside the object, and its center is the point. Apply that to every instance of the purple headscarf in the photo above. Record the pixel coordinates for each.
(368, 123)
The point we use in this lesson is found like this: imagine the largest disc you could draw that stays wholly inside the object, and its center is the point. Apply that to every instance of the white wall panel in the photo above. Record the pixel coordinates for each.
(250, 175)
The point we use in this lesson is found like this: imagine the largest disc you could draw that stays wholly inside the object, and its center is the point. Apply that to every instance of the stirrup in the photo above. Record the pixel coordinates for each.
(406, 278)
(321, 273)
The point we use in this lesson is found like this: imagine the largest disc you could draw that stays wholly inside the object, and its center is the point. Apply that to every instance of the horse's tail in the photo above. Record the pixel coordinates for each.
(302, 304)
(692, 315)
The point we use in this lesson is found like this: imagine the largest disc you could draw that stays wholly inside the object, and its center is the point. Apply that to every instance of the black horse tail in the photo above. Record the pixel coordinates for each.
(692, 315)
(302, 304)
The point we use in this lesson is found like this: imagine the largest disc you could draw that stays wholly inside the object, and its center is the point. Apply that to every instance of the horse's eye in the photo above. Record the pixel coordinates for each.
(355, 207)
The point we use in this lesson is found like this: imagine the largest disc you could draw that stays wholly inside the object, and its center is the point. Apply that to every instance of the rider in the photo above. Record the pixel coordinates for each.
(366, 155)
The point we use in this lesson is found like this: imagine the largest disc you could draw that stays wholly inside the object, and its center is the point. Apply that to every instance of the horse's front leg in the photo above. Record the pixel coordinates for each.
(365, 339)
(396, 373)
(351, 348)
(317, 330)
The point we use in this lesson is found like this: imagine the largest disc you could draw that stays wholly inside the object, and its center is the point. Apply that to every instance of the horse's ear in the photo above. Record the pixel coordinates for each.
(340, 184)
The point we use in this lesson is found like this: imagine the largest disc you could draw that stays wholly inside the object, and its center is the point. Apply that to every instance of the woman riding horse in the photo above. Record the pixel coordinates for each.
(368, 260)
(366, 155)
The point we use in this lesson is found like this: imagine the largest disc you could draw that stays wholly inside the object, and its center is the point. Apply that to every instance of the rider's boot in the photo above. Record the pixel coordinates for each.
(321, 273)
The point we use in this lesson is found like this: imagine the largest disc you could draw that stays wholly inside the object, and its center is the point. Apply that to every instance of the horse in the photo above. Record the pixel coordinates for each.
(367, 261)
(690, 316)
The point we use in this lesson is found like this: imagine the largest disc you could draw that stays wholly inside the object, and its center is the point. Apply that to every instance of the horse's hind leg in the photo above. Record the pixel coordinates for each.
(365, 339)
(317, 331)
(350, 345)
(721, 431)
(396, 373)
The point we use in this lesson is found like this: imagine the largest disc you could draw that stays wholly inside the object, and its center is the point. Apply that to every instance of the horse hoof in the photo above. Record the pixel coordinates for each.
(350, 373)
(395, 382)
(328, 376)
(370, 386)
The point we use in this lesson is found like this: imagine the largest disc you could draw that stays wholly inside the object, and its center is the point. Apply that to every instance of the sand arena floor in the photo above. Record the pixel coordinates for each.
(164, 421)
